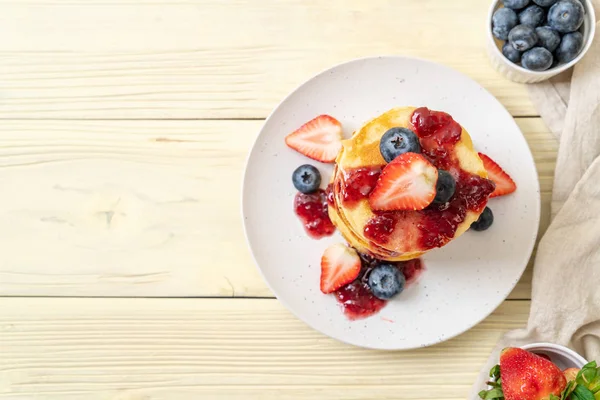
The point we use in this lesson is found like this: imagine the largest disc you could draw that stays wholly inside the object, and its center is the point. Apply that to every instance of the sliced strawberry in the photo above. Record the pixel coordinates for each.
(407, 183)
(527, 376)
(340, 265)
(504, 183)
(319, 139)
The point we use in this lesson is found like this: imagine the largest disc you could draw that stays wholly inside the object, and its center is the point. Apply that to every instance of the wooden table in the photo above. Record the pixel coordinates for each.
(124, 273)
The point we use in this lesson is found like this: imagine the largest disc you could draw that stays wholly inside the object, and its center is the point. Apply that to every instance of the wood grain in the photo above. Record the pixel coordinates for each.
(133, 349)
(218, 59)
(124, 209)
(142, 208)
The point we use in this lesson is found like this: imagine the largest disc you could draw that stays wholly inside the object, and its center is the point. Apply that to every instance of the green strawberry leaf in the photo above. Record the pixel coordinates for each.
(495, 372)
(496, 385)
(583, 393)
(491, 394)
(567, 391)
(588, 373)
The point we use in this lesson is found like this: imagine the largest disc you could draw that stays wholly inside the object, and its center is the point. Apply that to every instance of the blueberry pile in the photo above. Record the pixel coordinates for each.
(539, 34)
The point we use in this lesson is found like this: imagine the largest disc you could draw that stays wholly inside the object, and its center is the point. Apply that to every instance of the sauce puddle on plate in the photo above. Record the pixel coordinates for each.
(356, 297)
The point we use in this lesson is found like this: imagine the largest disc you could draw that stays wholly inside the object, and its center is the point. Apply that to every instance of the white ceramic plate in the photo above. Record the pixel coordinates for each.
(465, 280)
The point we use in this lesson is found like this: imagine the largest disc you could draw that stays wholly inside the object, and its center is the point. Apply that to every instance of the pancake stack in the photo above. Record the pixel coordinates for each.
(356, 170)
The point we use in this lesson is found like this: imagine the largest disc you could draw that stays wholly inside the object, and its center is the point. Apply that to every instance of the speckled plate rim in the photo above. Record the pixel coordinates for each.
(282, 300)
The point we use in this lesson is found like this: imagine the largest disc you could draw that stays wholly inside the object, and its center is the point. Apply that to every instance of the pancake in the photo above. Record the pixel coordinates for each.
(403, 235)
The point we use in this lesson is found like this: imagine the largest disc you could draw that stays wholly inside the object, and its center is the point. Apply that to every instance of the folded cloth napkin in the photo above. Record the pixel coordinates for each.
(565, 305)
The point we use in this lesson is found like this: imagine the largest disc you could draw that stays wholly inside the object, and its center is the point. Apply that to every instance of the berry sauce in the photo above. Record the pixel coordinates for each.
(312, 211)
(436, 125)
(412, 270)
(440, 221)
(358, 184)
(330, 194)
(438, 134)
(356, 297)
(380, 227)
(358, 301)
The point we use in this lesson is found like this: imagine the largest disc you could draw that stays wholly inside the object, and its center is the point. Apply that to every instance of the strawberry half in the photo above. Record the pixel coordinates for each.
(527, 376)
(504, 183)
(340, 265)
(407, 183)
(319, 139)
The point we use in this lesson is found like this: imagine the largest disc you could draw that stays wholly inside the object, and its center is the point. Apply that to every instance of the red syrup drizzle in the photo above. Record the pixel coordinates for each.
(439, 222)
(358, 184)
(381, 226)
(312, 211)
(436, 125)
(412, 270)
(356, 297)
(438, 134)
(330, 194)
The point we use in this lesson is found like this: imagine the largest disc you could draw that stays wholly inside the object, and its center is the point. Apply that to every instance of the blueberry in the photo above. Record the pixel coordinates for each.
(398, 141)
(522, 37)
(306, 178)
(511, 53)
(532, 16)
(537, 59)
(569, 47)
(386, 281)
(548, 38)
(515, 4)
(503, 20)
(544, 3)
(566, 16)
(445, 187)
(485, 220)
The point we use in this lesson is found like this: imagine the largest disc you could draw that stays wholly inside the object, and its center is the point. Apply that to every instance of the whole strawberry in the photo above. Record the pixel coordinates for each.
(527, 376)
(522, 375)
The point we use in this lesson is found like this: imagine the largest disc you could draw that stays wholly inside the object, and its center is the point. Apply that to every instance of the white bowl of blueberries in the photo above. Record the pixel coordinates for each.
(533, 40)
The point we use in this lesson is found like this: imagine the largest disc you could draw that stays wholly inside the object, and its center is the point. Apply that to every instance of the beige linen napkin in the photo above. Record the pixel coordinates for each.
(565, 306)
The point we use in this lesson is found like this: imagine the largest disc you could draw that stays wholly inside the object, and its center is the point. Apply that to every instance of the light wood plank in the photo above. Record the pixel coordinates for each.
(141, 208)
(218, 349)
(127, 208)
(218, 59)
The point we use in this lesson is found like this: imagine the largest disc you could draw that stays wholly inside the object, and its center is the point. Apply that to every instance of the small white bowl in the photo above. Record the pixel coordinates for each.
(519, 74)
(562, 356)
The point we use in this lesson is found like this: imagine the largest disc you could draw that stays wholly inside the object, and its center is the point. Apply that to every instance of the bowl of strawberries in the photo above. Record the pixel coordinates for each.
(542, 371)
